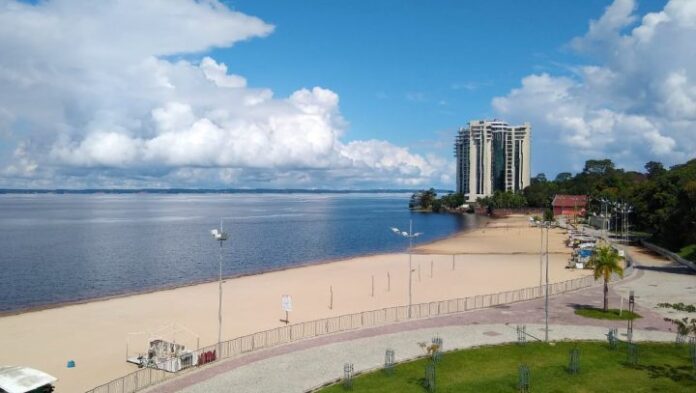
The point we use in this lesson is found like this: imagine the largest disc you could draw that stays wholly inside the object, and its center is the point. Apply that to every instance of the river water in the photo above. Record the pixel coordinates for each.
(57, 248)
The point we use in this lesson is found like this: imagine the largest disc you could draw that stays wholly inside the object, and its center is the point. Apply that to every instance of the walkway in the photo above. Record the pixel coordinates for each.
(659, 280)
(301, 370)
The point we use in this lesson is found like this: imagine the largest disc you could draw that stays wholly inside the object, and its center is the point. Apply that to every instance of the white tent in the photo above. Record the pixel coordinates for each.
(15, 379)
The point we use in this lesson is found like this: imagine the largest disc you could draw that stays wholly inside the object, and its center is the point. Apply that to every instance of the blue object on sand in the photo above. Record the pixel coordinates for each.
(71, 363)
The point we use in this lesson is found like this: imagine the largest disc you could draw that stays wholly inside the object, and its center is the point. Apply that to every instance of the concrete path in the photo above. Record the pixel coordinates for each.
(302, 365)
(302, 370)
(659, 280)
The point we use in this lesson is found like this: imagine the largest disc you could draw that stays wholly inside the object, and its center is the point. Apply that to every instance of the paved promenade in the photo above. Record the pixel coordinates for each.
(302, 365)
(301, 370)
(659, 280)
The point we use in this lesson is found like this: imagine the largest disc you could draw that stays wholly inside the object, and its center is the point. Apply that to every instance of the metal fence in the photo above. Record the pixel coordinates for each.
(147, 377)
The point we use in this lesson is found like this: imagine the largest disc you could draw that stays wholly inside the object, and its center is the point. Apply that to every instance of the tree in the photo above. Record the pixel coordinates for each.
(598, 167)
(436, 206)
(427, 198)
(540, 178)
(504, 200)
(605, 262)
(654, 169)
(684, 325)
(453, 201)
(548, 215)
(564, 176)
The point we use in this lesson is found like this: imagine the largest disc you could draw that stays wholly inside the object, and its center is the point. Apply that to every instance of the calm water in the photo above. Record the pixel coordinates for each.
(58, 248)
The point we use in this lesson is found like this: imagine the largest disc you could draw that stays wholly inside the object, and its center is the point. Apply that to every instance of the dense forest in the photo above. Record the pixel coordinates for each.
(663, 199)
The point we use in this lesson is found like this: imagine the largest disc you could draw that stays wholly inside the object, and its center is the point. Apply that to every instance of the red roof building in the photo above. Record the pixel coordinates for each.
(569, 205)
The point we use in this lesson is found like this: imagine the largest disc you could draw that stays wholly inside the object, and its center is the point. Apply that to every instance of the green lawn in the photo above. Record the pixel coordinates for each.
(688, 252)
(612, 313)
(661, 368)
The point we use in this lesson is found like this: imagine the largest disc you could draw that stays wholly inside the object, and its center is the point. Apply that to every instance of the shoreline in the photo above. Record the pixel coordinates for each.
(171, 287)
(488, 258)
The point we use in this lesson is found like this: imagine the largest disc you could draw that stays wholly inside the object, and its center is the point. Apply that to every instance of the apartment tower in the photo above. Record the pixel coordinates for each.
(491, 156)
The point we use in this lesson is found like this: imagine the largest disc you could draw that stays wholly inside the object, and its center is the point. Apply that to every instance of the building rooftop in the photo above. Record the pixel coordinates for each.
(561, 200)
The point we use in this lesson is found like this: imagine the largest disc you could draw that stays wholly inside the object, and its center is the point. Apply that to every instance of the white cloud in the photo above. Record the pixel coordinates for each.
(636, 103)
(218, 74)
(23, 166)
(96, 86)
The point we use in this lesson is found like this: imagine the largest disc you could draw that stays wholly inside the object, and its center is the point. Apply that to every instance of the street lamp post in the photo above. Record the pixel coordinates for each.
(410, 235)
(220, 236)
(605, 219)
(546, 305)
(541, 255)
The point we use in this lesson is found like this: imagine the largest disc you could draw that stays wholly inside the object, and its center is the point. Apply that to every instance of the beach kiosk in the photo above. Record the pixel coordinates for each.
(16, 379)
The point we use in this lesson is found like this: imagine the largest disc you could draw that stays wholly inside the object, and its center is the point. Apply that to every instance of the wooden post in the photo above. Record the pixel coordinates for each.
(431, 268)
(388, 282)
(373, 285)
(330, 297)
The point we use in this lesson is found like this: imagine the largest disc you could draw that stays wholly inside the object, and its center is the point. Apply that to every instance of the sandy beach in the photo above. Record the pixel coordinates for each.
(502, 255)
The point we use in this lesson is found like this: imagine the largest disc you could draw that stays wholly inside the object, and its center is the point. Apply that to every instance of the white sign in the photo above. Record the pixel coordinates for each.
(286, 303)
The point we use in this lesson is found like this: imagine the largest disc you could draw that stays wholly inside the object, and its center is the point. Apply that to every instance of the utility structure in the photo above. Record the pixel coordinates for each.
(409, 235)
(624, 209)
(631, 309)
(220, 236)
(545, 225)
(606, 221)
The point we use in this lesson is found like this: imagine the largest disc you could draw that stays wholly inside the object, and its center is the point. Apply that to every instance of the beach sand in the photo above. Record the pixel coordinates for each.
(501, 256)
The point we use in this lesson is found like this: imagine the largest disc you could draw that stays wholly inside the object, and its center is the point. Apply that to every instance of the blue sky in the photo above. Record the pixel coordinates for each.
(412, 71)
(406, 70)
(333, 94)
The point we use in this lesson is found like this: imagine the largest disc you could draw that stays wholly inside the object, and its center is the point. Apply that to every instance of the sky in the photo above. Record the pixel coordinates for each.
(333, 94)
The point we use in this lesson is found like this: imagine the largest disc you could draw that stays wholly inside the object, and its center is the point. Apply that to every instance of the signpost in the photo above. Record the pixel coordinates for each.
(286, 304)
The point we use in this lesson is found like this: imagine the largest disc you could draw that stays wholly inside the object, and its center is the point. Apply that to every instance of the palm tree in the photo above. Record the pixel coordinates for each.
(605, 262)
(684, 326)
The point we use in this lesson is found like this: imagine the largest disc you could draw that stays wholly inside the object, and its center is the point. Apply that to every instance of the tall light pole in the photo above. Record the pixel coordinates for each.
(605, 220)
(220, 236)
(410, 235)
(546, 305)
(541, 253)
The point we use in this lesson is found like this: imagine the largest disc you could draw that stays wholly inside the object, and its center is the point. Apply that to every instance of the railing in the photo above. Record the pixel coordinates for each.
(669, 254)
(147, 377)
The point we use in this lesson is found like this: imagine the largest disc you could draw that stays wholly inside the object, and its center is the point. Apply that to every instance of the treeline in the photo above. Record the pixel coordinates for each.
(663, 200)
(427, 200)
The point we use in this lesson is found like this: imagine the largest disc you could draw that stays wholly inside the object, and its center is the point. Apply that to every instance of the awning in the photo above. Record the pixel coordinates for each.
(16, 379)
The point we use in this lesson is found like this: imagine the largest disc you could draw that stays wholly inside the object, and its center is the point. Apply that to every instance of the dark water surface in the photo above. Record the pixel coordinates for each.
(61, 248)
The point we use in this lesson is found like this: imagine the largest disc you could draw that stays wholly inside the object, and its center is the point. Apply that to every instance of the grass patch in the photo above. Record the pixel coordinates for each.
(611, 314)
(661, 368)
(688, 252)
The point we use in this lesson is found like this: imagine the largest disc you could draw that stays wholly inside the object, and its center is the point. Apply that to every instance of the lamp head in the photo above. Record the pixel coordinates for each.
(218, 234)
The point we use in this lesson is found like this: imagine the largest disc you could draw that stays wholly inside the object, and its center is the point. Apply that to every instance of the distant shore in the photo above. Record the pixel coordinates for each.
(497, 257)
(205, 191)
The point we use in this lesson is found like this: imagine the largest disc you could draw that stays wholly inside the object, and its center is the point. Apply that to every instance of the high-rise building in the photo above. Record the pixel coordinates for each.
(492, 155)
